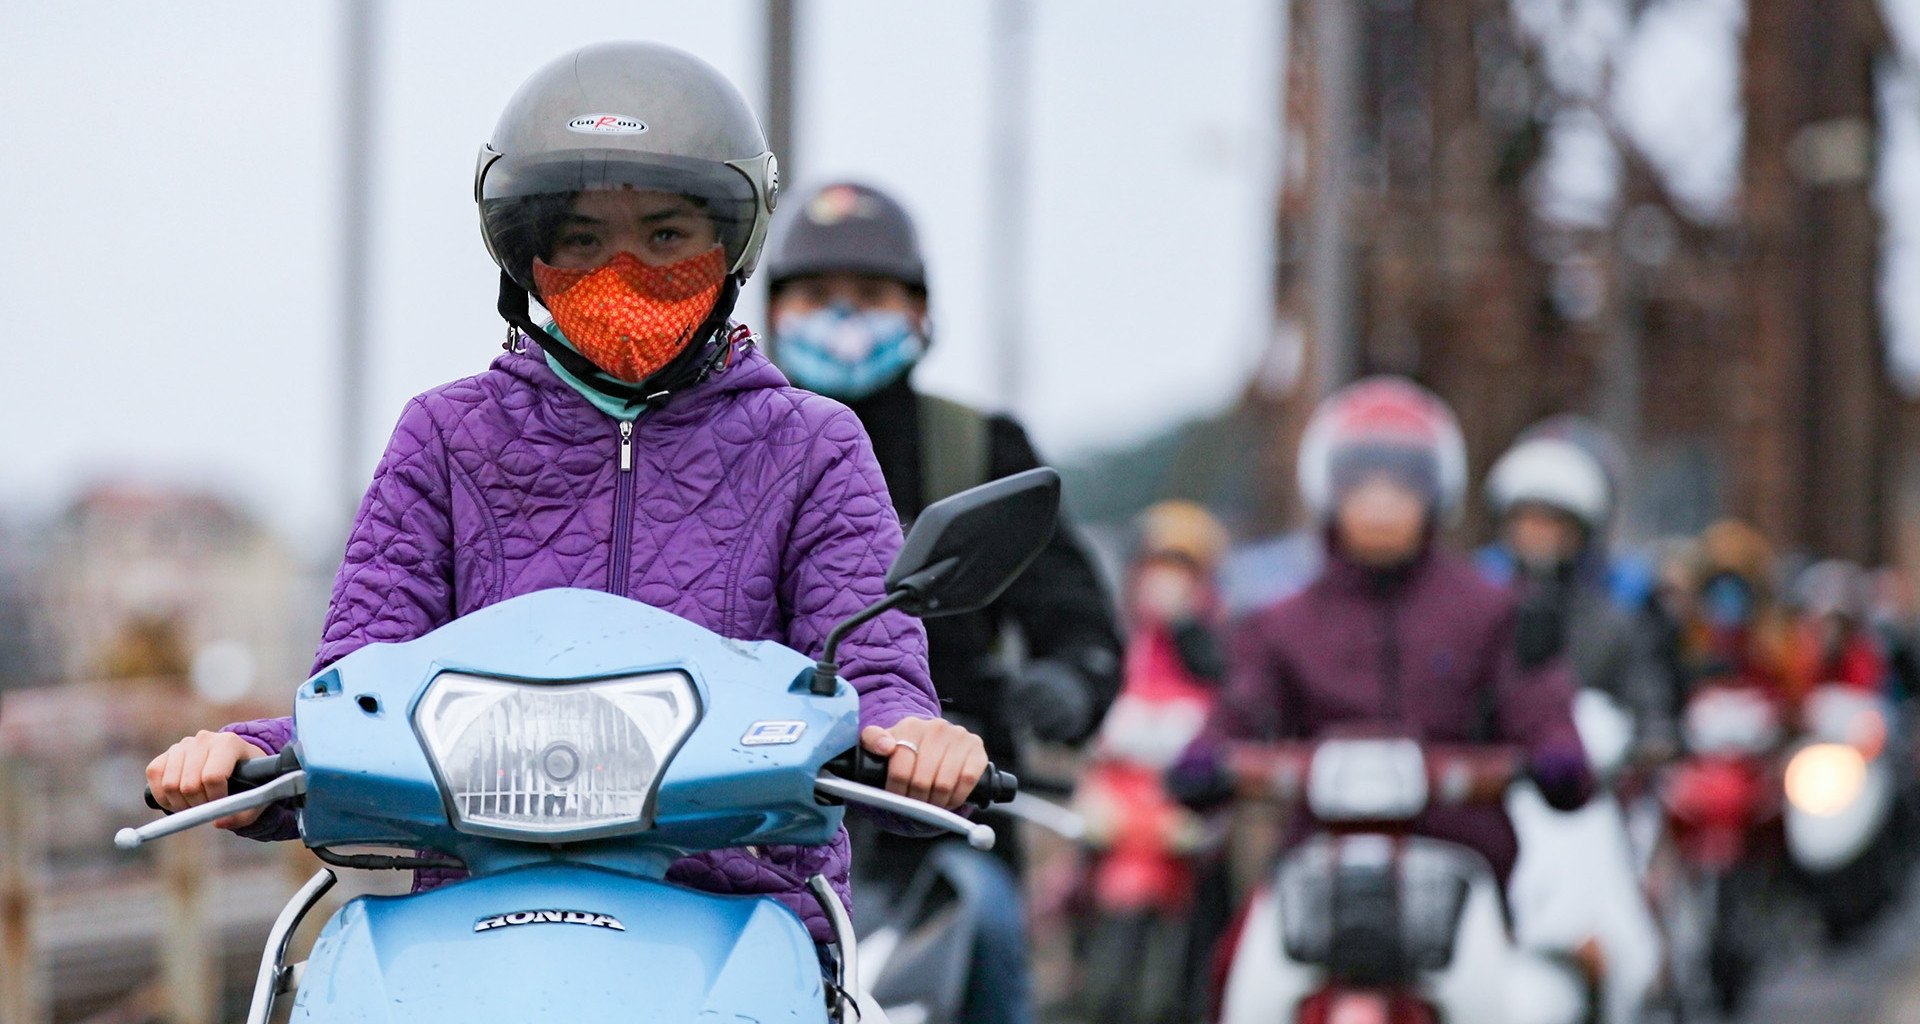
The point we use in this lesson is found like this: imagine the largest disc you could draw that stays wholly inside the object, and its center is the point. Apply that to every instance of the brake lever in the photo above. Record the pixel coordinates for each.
(289, 785)
(980, 837)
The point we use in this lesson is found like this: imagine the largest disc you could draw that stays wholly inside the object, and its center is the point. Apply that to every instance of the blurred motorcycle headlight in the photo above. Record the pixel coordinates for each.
(553, 761)
(1825, 778)
(1367, 780)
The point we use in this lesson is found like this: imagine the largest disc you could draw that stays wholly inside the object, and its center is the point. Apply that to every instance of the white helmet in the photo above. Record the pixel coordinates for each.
(1834, 586)
(1391, 418)
(1552, 472)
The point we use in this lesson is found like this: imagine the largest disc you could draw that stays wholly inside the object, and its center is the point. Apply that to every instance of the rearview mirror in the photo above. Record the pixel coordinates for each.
(964, 551)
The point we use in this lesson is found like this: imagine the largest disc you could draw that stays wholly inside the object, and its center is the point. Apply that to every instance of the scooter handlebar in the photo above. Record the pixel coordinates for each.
(285, 787)
(1457, 774)
(252, 773)
(856, 765)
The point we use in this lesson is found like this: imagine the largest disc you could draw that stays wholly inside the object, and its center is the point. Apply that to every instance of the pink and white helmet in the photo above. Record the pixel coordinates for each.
(1383, 424)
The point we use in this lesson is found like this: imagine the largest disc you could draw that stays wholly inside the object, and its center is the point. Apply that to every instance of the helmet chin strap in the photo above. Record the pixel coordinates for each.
(694, 364)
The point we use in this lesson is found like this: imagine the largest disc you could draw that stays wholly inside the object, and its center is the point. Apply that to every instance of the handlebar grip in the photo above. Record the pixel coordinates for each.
(996, 787)
(856, 765)
(252, 773)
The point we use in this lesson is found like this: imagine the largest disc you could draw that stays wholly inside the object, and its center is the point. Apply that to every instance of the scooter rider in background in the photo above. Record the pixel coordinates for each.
(1396, 632)
(1739, 631)
(1554, 504)
(1156, 875)
(1576, 889)
(1834, 640)
(849, 309)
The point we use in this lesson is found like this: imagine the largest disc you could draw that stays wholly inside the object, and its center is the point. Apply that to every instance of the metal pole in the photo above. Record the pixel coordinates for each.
(1009, 114)
(358, 65)
(189, 945)
(1330, 275)
(780, 38)
(23, 980)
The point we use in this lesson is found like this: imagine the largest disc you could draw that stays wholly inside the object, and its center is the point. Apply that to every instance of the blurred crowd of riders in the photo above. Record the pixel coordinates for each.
(1154, 910)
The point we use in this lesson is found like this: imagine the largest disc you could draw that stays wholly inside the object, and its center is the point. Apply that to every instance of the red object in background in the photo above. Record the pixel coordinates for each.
(1140, 869)
(1856, 663)
(1725, 796)
(1149, 860)
(1348, 1006)
(1716, 804)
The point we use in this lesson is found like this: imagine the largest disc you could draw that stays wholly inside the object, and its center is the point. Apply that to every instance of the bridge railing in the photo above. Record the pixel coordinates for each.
(89, 933)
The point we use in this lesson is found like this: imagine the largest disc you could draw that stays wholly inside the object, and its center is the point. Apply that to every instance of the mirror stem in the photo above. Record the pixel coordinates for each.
(827, 670)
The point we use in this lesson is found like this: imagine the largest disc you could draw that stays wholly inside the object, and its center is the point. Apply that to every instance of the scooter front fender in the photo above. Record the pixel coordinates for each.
(561, 943)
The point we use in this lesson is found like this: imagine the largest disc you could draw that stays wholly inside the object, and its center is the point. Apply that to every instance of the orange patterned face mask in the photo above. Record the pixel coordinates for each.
(630, 317)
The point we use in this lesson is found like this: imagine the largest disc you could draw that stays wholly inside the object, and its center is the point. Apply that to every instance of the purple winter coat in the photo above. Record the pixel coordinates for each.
(752, 508)
(1427, 653)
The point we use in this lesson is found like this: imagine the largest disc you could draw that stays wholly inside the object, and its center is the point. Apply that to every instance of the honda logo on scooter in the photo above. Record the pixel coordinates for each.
(520, 917)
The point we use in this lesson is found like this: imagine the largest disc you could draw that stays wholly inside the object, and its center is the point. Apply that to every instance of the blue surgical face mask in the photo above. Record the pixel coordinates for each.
(846, 353)
(1729, 602)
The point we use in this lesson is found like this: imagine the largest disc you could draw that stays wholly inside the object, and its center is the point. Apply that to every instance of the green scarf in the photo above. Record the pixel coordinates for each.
(619, 409)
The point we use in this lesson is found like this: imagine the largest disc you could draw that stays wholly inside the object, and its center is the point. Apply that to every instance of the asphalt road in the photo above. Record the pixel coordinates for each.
(1874, 981)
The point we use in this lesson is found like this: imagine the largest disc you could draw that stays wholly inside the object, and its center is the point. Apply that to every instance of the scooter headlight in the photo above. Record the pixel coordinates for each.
(1825, 778)
(553, 761)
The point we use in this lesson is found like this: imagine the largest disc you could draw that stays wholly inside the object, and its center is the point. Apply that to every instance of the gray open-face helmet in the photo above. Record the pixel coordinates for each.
(623, 115)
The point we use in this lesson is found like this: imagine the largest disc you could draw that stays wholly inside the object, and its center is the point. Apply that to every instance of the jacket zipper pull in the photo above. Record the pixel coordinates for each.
(626, 445)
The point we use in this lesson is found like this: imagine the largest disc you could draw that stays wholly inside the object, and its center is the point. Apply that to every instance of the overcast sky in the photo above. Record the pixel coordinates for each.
(170, 213)
(170, 209)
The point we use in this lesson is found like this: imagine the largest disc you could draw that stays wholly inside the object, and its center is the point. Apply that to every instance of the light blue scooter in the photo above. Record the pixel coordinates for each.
(566, 747)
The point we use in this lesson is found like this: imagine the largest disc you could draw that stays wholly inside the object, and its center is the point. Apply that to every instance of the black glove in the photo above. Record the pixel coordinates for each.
(1199, 651)
(1053, 700)
(1199, 781)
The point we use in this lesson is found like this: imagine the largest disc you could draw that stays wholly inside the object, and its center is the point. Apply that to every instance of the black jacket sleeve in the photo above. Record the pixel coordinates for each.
(1059, 604)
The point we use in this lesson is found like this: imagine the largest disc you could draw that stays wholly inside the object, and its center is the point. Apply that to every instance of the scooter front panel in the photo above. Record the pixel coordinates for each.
(745, 774)
(562, 943)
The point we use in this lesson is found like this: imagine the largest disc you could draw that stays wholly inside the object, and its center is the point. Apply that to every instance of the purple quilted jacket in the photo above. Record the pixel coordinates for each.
(750, 507)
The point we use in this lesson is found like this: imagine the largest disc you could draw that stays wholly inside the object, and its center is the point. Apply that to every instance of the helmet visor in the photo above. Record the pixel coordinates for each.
(581, 208)
(1413, 467)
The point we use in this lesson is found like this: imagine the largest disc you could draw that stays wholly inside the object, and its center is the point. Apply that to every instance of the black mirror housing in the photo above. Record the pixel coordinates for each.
(964, 551)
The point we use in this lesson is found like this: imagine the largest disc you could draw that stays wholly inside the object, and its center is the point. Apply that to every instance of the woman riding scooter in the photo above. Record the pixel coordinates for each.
(639, 443)
(1396, 636)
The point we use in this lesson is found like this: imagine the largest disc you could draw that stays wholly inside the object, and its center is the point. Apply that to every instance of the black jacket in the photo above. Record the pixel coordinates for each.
(1058, 607)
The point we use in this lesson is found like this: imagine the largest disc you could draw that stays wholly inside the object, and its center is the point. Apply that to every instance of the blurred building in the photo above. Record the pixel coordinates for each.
(21, 646)
(181, 585)
(1469, 196)
(1427, 226)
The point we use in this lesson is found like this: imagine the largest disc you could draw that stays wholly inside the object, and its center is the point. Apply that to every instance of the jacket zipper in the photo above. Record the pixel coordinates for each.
(622, 514)
(1390, 659)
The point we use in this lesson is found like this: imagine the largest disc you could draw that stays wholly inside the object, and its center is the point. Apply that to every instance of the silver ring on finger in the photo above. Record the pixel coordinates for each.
(908, 744)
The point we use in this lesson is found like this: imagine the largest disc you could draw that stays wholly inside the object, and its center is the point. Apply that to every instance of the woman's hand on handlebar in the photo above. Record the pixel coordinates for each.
(195, 771)
(928, 759)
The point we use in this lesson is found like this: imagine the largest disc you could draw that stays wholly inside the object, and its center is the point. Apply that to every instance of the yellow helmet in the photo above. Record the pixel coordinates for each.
(1183, 529)
(1735, 547)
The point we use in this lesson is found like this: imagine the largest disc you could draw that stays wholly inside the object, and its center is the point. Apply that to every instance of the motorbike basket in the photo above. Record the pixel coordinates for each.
(1370, 909)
